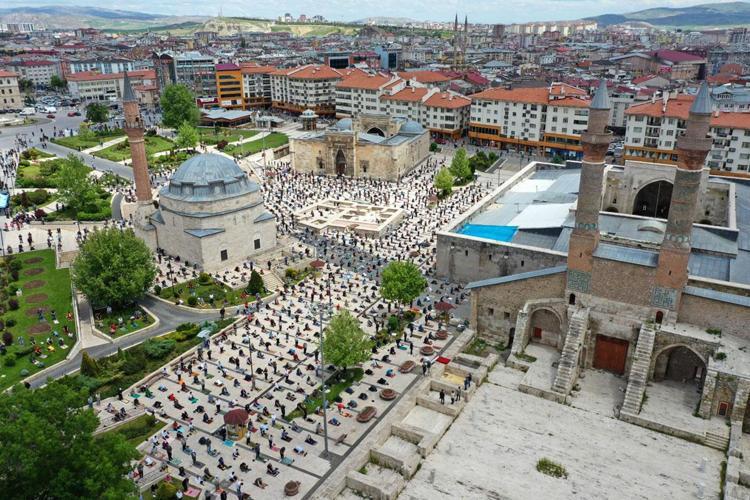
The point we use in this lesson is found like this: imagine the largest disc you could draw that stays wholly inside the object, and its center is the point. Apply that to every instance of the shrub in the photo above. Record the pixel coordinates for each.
(291, 273)
(166, 491)
(192, 301)
(204, 278)
(134, 363)
(547, 466)
(221, 144)
(15, 265)
(24, 372)
(157, 349)
(89, 366)
(38, 197)
(256, 284)
(392, 323)
(14, 276)
(157, 290)
(10, 361)
(720, 356)
(10, 322)
(434, 147)
(20, 353)
(13, 304)
(39, 213)
(186, 326)
(7, 338)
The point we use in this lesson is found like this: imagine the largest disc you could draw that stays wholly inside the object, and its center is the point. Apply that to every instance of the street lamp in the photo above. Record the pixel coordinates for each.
(321, 309)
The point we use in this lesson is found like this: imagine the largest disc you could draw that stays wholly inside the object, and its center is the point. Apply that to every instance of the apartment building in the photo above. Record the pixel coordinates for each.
(360, 92)
(192, 69)
(545, 120)
(40, 73)
(311, 86)
(10, 95)
(90, 86)
(653, 128)
(103, 66)
(256, 85)
(229, 86)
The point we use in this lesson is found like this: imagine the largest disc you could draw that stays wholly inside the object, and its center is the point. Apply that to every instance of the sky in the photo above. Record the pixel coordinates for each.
(481, 11)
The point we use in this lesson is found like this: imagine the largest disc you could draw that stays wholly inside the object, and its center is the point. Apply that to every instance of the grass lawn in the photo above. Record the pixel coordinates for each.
(103, 211)
(271, 141)
(35, 154)
(176, 483)
(123, 321)
(128, 367)
(480, 347)
(43, 287)
(32, 174)
(222, 294)
(173, 160)
(121, 150)
(137, 430)
(77, 142)
(209, 135)
(336, 385)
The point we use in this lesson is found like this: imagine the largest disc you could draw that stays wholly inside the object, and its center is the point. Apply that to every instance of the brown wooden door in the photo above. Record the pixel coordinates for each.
(537, 333)
(610, 354)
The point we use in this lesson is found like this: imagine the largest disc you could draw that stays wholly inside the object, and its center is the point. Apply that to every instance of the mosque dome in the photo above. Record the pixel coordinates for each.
(345, 124)
(208, 177)
(410, 127)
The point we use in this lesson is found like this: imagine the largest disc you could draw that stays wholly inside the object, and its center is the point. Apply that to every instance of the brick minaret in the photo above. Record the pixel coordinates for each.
(692, 148)
(585, 236)
(135, 132)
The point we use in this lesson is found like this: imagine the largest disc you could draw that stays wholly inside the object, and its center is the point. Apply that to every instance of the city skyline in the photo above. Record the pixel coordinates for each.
(482, 11)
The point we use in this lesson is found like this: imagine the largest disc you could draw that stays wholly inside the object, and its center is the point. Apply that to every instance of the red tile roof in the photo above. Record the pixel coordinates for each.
(447, 100)
(408, 94)
(4, 74)
(424, 76)
(538, 95)
(675, 56)
(254, 69)
(310, 72)
(679, 107)
(227, 67)
(358, 79)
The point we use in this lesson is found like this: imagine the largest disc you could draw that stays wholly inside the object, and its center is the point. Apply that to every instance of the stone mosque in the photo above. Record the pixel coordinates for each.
(211, 213)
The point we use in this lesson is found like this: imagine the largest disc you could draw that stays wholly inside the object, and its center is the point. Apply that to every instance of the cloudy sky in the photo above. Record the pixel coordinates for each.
(485, 11)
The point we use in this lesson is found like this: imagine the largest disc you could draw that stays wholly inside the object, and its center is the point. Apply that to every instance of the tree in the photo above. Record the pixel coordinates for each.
(57, 83)
(178, 106)
(49, 450)
(345, 342)
(402, 281)
(74, 186)
(85, 132)
(255, 285)
(444, 182)
(460, 165)
(113, 267)
(187, 136)
(97, 113)
(25, 86)
(89, 366)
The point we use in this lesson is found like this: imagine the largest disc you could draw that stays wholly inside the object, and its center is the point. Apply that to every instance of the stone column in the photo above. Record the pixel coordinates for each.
(707, 395)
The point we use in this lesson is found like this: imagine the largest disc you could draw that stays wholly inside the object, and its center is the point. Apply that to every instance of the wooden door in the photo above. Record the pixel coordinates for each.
(610, 354)
(537, 333)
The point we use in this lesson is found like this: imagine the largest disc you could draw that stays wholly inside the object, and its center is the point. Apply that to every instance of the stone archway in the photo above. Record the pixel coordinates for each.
(653, 200)
(340, 163)
(679, 363)
(545, 327)
(376, 131)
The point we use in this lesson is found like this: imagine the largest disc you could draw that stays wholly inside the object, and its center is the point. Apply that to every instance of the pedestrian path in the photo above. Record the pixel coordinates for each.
(105, 145)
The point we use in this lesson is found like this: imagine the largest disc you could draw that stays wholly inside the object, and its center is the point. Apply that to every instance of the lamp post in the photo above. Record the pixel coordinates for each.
(320, 309)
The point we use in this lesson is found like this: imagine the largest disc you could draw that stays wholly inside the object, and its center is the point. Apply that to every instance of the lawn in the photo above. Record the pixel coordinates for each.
(123, 321)
(78, 143)
(125, 368)
(209, 135)
(274, 140)
(121, 150)
(222, 294)
(480, 347)
(336, 386)
(43, 287)
(102, 210)
(35, 154)
(176, 485)
(137, 430)
(38, 175)
(170, 161)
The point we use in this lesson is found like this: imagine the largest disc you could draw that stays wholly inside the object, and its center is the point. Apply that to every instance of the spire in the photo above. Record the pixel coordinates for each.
(127, 94)
(455, 23)
(702, 103)
(601, 98)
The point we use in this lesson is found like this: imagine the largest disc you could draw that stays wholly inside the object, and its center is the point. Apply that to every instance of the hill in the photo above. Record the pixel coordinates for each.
(704, 15)
(68, 17)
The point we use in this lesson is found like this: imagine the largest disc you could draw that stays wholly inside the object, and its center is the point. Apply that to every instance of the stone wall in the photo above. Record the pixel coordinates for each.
(494, 309)
(707, 313)
(622, 282)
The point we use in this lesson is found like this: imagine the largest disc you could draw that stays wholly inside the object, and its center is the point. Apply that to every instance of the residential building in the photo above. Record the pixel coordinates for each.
(90, 86)
(654, 127)
(544, 120)
(39, 72)
(229, 86)
(192, 69)
(311, 86)
(256, 85)
(10, 95)
(360, 92)
(103, 66)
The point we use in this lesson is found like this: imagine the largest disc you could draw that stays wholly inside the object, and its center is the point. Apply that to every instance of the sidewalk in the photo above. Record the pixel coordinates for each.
(105, 145)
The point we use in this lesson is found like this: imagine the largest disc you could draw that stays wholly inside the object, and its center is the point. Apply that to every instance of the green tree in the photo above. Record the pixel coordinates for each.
(444, 182)
(74, 186)
(460, 165)
(255, 285)
(113, 267)
(187, 136)
(25, 86)
(49, 451)
(345, 342)
(97, 113)
(402, 281)
(57, 83)
(89, 366)
(85, 132)
(178, 106)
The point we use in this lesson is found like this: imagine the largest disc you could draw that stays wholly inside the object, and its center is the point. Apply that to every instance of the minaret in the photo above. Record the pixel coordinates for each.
(455, 41)
(585, 236)
(135, 132)
(465, 40)
(692, 148)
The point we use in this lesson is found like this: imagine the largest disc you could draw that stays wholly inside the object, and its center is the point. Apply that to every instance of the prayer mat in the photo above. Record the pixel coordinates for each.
(287, 461)
(443, 359)
(193, 492)
(229, 443)
(175, 462)
(193, 400)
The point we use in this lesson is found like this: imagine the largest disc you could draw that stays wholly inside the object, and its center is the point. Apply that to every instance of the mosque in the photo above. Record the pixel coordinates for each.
(210, 213)
(372, 146)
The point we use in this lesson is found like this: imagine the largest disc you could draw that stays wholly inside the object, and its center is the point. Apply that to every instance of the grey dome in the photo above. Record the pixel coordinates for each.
(344, 124)
(208, 177)
(410, 127)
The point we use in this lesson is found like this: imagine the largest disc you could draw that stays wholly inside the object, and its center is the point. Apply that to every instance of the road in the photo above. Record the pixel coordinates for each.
(169, 318)
(61, 122)
(96, 163)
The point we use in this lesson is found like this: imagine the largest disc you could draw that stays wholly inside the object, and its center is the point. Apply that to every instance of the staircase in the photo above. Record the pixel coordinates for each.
(566, 368)
(271, 281)
(639, 370)
(716, 441)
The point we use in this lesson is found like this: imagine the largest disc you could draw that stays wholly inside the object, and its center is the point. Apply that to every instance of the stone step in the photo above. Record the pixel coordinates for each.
(717, 441)
(564, 378)
(637, 378)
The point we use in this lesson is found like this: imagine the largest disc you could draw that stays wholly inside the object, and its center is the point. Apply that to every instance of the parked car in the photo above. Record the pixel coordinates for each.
(51, 116)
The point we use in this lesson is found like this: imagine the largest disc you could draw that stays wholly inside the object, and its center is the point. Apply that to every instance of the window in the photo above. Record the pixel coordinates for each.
(256, 243)
(224, 255)
(506, 315)
(491, 311)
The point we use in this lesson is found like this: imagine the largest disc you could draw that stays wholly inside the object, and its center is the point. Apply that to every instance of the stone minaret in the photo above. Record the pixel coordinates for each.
(135, 132)
(465, 42)
(455, 41)
(585, 237)
(692, 148)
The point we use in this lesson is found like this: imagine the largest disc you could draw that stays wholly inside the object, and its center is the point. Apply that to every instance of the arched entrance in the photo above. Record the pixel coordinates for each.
(340, 163)
(681, 364)
(653, 200)
(659, 317)
(376, 131)
(545, 327)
